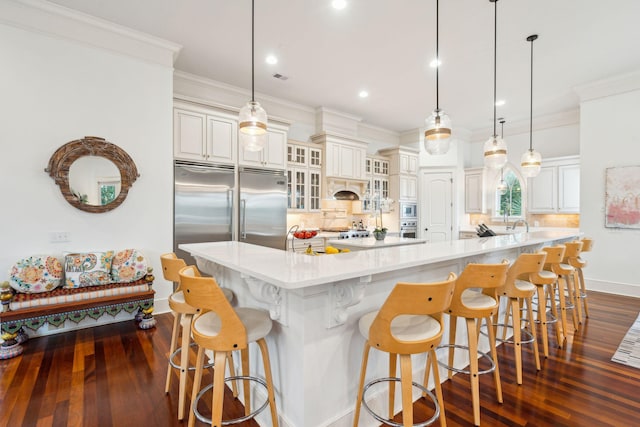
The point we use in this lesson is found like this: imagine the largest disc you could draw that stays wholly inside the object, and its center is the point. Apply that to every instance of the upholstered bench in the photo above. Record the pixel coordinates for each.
(95, 284)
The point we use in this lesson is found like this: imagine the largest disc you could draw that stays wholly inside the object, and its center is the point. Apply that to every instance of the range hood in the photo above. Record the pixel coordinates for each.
(346, 195)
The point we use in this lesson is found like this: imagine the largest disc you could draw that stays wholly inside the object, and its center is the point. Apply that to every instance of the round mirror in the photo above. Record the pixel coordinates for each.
(94, 175)
(94, 180)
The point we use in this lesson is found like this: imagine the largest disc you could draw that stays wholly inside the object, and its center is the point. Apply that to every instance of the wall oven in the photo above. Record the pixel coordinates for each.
(409, 229)
(408, 210)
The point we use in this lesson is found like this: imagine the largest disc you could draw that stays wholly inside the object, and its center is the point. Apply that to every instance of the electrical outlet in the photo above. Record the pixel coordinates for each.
(59, 236)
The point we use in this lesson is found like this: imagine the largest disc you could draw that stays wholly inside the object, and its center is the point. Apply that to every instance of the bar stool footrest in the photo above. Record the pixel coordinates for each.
(177, 365)
(466, 371)
(387, 421)
(523, 332)
(253, 414)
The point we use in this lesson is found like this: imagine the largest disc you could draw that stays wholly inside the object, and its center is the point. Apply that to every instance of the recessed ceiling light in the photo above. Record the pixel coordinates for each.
(500, 102)
(435, 63)
(271, 60)
(363, 94)
(339, 4)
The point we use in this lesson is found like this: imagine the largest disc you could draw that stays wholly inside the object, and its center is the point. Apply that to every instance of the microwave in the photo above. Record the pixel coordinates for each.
(408, 210)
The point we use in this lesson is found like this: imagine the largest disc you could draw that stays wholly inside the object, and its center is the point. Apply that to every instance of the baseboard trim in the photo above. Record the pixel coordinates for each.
(626, 289)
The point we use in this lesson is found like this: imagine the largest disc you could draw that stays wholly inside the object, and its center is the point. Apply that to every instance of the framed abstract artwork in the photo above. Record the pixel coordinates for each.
(622, 197)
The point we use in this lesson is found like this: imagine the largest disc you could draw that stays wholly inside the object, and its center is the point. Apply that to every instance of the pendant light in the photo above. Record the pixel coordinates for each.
(252, 117)
(502, 187)
(437, 136)
(531, 159)
(495, 149)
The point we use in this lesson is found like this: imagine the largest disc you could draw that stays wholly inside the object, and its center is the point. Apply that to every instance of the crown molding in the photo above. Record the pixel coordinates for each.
(564, 118)
(611, 86)
(43, 17)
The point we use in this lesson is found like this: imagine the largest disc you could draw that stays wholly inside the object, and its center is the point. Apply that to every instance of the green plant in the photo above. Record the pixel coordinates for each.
(380, 230)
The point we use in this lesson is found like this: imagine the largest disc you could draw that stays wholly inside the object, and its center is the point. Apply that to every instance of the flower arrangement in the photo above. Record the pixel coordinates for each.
(380, 232)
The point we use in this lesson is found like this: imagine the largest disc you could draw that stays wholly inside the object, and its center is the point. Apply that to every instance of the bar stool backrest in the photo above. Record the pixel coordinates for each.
(411, 299)
(555, 255)
(171, 266)
(572, 250)
(587, 244)
(488, 277)
(524, 266)
(205, 294)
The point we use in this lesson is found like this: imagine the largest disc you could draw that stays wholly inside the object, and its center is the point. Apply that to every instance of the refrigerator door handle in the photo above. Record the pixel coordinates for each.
(243, 219)
(230, 209)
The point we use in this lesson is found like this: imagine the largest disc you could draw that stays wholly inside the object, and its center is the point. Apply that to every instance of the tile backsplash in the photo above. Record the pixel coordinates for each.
(542, 220)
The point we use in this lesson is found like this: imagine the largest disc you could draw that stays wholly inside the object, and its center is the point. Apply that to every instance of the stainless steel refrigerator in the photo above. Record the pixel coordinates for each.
(263, 207)
(204, 200)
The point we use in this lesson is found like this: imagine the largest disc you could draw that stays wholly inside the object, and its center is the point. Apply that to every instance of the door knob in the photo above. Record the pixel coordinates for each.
(426, 229)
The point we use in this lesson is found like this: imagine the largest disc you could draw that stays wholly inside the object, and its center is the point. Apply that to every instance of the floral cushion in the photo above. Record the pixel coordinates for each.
(87, 269)
(36, 274)
(128, 265)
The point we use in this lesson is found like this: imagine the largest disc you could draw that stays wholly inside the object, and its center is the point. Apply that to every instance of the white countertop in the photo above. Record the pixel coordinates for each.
(372, 243)
(502, 229)
(291, 270)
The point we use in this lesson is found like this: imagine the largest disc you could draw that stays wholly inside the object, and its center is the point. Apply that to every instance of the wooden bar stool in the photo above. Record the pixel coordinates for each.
(579, 263)
(474, 299)
(564, 286)
(183, 314)
(520, 291)
(221, 329)
(545, 287)
(571, 256)
(409, 322)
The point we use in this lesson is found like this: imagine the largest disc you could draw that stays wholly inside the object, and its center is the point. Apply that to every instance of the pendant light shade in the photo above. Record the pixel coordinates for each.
(252, 117)
(437, 134)
(531, 160)
(495, 149)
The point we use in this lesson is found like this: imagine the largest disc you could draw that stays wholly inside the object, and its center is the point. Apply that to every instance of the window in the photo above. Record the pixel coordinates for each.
(509, 204)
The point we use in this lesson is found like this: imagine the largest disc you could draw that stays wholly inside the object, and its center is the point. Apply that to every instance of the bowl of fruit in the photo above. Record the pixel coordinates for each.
(305, 234)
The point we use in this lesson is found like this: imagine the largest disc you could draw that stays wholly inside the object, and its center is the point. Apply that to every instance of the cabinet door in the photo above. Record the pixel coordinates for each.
(569, 189)
(189, 133)
(315, 157)
(252, 158)
(222, 139)
(413, 165)
(314, 190)
(275, 155)
(408, 188)
(473, 193)
(347, 162)
(543, 193)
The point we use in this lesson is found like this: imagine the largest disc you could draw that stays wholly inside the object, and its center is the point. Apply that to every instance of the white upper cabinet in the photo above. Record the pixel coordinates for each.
(403, 170)
(200, 136)
(557, 188)
(273, 155)
(474, 190)
(303, 177)
(343, 160)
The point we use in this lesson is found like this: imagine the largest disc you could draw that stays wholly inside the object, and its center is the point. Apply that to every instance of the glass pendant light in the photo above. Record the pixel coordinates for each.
(531, 159)
(252, 117)
(502, 187)
(495, 149)
(437, 136)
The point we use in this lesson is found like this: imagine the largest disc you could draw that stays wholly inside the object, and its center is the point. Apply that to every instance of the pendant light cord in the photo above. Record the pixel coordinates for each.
(437, 54)
(531, 102)
(495, 61)
(253, 98)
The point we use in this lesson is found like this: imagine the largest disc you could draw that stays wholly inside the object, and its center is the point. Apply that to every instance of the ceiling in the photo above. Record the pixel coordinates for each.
(385, 47)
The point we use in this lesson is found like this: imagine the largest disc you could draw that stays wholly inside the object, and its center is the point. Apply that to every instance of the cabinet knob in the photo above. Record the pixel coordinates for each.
(426, 229)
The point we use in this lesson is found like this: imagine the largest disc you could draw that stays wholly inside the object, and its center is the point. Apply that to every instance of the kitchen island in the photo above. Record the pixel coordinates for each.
(316, 302)
(371, 243)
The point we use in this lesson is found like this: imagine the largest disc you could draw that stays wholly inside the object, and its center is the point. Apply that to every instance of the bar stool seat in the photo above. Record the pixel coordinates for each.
(409, 322)
(220, 328)
(183, 315)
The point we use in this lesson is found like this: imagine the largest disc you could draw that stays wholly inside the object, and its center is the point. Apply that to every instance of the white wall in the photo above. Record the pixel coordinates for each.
(55, 90)
(610, 136)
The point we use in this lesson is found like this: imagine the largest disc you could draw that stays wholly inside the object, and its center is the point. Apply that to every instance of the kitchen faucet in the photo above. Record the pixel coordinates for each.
(518, 221)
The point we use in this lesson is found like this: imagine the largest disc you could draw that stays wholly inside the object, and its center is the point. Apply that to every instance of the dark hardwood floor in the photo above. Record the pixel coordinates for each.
(114, 375)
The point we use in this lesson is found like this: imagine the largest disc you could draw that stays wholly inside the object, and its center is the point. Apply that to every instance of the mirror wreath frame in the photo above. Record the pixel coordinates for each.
(61, 161)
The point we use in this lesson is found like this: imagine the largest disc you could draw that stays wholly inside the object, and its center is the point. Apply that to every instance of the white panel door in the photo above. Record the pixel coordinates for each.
(436, 206)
